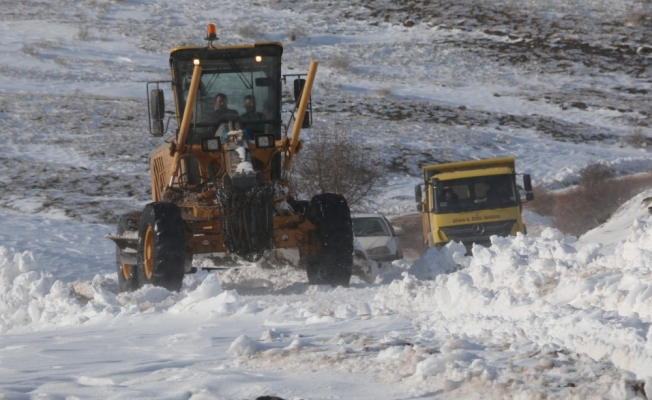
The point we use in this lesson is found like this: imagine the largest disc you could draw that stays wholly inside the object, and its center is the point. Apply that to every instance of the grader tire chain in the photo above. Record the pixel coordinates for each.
(330, 212)
(127, 275)
(166, 246)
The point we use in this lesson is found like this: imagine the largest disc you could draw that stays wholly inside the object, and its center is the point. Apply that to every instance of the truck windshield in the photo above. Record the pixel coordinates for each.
(477, 193)
(240, 87)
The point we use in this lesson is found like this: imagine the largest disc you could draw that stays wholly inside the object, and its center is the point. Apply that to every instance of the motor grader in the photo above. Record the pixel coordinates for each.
(220, 181)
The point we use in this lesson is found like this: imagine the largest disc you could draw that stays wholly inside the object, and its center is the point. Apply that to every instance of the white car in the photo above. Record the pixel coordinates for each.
(377, 237)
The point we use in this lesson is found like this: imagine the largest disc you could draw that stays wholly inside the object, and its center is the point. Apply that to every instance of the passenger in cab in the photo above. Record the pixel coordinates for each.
(250, 113)
(498, 194)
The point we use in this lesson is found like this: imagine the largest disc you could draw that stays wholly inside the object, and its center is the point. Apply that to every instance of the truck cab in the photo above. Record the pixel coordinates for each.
(471, 201)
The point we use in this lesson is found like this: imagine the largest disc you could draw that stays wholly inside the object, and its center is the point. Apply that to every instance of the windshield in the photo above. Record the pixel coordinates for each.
(479, 193)
(240, 87)
(369, 227)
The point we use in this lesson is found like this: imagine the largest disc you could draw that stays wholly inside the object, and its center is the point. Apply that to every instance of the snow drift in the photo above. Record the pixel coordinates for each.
(540, 298)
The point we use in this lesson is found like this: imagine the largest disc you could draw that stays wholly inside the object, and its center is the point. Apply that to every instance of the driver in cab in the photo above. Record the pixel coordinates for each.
(448, 197)
(222, 107)
(227, 124)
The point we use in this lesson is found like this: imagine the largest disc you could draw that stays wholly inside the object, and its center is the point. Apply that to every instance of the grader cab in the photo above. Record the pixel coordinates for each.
(219, 182)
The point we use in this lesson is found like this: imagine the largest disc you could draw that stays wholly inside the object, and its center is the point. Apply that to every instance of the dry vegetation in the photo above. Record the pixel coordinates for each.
(249, 31)
(597, 196)
(333, 162)
(636, 139)
(339, 62)
(296, 33)
(82, 33)
(34, 49)
(638, 17)
(543, 203)
(384, 91)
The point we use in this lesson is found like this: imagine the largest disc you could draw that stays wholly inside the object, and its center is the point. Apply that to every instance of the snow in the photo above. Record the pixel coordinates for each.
(535, 309)
(534, 316)
(617, 228)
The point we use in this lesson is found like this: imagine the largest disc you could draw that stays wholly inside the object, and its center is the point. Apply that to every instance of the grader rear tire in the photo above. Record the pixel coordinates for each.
(127, 275)
(334, 264)
(161, 242)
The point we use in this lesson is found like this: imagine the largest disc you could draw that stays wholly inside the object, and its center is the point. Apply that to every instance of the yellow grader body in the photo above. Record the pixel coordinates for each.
(202, 216)
(219, 183)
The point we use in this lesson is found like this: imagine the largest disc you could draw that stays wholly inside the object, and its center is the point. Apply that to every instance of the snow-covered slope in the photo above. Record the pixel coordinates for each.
(471, 80)
(617, 228)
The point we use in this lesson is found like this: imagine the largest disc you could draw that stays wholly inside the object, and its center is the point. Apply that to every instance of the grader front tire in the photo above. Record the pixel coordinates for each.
(334, 265)
(161, 242)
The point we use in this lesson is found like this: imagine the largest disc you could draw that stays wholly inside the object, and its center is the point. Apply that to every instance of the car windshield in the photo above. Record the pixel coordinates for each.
(237, 81)
(369, 227)
(478, 193)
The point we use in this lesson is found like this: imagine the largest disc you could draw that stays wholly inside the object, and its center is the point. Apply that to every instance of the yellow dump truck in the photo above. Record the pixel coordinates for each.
(471, 201)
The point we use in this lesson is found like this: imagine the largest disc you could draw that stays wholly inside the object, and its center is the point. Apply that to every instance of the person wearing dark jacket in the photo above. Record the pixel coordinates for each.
(222, 106)
(449, 197)
(250, 113)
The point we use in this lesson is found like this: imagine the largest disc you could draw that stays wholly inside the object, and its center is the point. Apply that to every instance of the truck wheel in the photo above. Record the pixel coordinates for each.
(330, 212)
(127, 277)
(161, 254)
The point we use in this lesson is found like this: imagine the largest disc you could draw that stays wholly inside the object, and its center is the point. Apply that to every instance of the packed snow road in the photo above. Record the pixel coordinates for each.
(528, 317)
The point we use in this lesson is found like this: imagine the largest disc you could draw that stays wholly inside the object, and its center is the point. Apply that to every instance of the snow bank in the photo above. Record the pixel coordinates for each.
(29, 296)
(582, 300)
(243, 346)
(518, 317)
(541, 298)
(436, 262)
(32, 299)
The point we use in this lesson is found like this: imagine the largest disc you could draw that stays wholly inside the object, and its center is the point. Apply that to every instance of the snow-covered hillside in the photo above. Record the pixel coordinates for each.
(557, 84)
